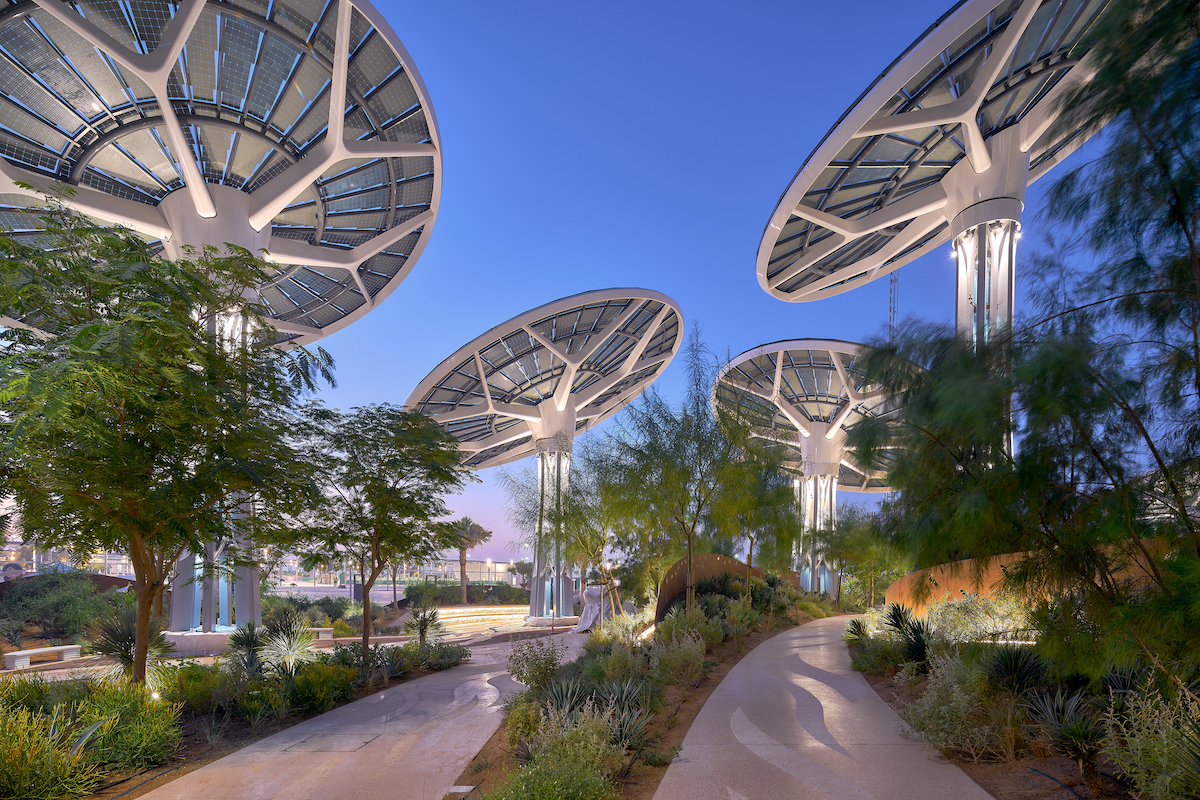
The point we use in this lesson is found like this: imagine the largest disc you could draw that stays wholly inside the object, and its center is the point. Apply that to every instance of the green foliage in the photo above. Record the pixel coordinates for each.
(523, 717)
(545, 780)
(40, 759)
(973, 618)
(201, 689)
(116, 638)
(317, 687)
(1015, 669)
(144, 730)
(680, 623)
(565, 697)
(624, 629)
(914, 634)
(739, 623)
(533, 662)
(1070, 728)
(341, 630)
(244, 656)
(878, 656)
(63, 603)
(653, 758)
(954, 715)
(261, 700)
(856, 631)
(812, 609)
(424, 623)
(677, 661)
(285, 649)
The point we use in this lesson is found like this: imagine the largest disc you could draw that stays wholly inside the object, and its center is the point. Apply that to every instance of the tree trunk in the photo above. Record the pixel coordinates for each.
(395, 596)
(141, 647)
(749, 564)
(366, 633)
(462, 573)
(158, 604)
(691, 586)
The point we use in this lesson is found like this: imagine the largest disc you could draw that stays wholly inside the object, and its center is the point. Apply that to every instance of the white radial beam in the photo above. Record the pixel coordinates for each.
(290, 251)
(627, 367)
(517, 431)
(841, 371)
(138, 217)
(965, 110)
(931, 198)
(277, 194)
(154, 69)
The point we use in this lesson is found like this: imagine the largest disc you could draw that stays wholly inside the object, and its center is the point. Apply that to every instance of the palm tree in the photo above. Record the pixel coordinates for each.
(470, 534)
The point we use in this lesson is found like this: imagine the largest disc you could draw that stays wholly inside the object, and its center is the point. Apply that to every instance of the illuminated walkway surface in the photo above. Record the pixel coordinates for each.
(793, 720)
(412, 740)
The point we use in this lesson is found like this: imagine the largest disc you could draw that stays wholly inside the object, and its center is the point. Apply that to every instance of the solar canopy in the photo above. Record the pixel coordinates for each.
(298, 126)
(551, 373)
(805, 394)
(963, 115)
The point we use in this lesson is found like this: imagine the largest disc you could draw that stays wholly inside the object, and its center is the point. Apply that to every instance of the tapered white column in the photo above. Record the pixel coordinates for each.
(551, 594)
(985, 261)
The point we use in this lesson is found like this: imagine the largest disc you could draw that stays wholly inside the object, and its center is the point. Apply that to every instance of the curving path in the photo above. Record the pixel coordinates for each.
(411, 741)
(792, 720)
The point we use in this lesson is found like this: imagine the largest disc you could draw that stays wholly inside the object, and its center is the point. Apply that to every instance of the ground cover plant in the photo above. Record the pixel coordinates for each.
(979, 691)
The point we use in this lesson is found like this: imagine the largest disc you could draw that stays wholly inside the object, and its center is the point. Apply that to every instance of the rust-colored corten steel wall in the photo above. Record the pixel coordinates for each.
(705, 565)
(953, 578)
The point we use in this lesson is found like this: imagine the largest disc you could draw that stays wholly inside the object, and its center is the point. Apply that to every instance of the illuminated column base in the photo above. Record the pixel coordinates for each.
(818, 507)
(551, 591)
(985, 253)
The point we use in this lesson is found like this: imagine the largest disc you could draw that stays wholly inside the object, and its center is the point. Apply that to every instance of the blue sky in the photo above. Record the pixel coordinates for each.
(626, 144)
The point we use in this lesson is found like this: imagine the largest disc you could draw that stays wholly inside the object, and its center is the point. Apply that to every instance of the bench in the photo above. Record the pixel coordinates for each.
(323, 633)
(20, 659)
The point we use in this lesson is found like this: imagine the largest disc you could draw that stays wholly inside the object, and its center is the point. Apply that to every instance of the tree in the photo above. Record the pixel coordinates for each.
(524, 569)
(755, 500)
(383, 473)
(145, 405)
(470, 534)
(663, 463)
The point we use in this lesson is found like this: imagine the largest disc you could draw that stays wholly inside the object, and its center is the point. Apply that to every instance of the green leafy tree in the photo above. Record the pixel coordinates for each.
(383, 473)
(664, 464)
(470, 534)
(145, 405)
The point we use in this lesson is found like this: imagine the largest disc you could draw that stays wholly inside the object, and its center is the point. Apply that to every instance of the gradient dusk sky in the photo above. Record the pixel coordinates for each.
(595, 145)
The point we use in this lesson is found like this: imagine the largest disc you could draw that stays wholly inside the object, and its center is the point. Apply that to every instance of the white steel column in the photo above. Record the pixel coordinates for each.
(985, 260)
(551, 593)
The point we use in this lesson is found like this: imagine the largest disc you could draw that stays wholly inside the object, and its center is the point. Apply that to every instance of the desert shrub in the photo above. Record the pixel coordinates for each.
(542, 779)
(812, 609)
(145, 729)
(1144, 734)
(951, 713)
(422, 593)
(566, 697)
(584, 737)
(726, 584)
(624, 662)
(436, 656)
(856, 631)
(505, 595)
(1014, 669)
(523, 716)
(317, 687)
(332, 607)
(762, 595)
(915, 634)
(971, 618)
(60, 603)
(625, 629)
(201, 689)
(739, 623)
(342, 631)
(533, 662)
(33, 692)
(878, 656)
(115, 637)
(694, 623)
(42, 758)
(678, 661)
(288, 647)
(263, 699)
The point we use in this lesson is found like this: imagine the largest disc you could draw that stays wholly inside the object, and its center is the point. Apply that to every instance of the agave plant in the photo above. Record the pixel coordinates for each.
(116, 638)
(1016, 670)
(566, 697)
(1071, 730)
(1185, 761)
(856, 631)
(244, 646)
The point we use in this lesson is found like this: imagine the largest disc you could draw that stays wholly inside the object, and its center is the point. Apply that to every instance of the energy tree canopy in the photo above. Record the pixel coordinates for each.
(535, 382)
(298, 128)
(944, 141)
(806, 394)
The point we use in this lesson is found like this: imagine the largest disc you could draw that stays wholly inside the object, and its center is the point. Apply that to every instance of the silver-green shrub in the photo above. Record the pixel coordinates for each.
(1144, 740)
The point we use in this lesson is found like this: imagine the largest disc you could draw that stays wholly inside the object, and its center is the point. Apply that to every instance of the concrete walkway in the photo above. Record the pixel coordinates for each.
(412, 741)
(793, 720)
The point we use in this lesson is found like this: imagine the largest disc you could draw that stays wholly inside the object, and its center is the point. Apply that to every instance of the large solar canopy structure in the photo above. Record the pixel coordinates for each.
(806, 394)
(534, 383)
(300, 128)
(941, 147)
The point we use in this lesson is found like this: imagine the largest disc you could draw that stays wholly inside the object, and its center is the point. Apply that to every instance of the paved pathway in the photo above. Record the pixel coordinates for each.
(793, 720)
(411, 741)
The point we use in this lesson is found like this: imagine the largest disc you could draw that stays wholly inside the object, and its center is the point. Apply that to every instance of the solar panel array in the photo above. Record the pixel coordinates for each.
(621, 341)
(871, 172)
(251, 89)
(813, 389)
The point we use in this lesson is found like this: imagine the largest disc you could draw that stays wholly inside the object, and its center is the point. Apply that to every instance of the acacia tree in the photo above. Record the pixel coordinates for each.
(664, 463)
(144, 405)
(469, 534)
(383, 473)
